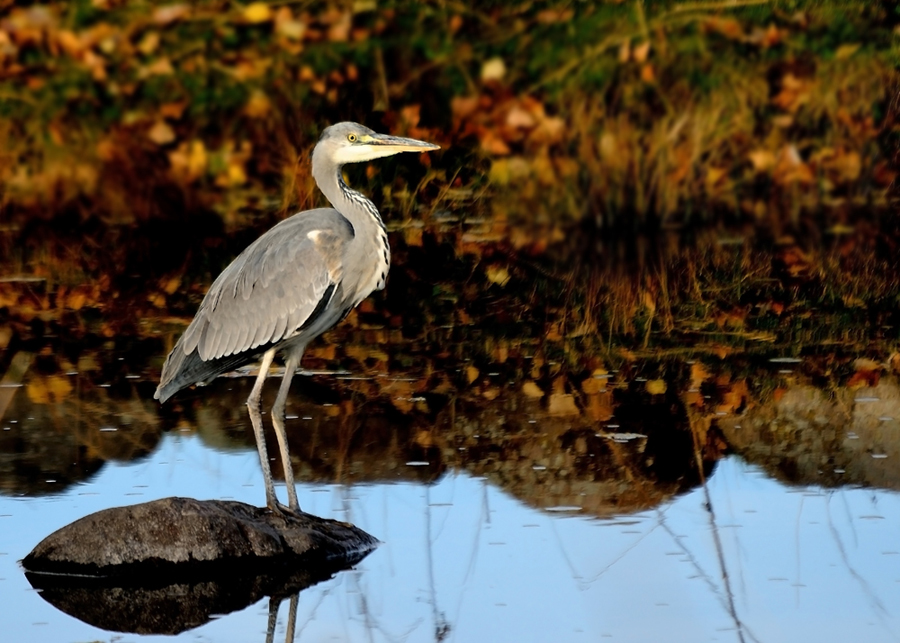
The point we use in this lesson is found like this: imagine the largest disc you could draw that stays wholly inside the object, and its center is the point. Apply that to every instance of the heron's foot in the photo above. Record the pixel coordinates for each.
(284, 510)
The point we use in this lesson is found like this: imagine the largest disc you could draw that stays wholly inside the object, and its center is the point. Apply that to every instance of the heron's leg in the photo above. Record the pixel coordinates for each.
(290, 367)
(292, 618)
(274, 605)
(256, 421)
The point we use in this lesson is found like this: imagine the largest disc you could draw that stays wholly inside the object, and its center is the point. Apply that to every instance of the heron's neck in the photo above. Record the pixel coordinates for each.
(358, 204)
(370, 235)
(358, 209)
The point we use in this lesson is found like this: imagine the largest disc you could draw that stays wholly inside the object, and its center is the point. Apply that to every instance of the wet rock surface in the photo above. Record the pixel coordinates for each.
(182, 538)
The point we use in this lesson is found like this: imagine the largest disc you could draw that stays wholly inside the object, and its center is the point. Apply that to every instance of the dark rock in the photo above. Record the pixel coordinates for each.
(182, 538)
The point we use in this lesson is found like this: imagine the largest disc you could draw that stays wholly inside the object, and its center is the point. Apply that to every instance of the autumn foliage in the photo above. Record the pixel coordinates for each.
(142, 145)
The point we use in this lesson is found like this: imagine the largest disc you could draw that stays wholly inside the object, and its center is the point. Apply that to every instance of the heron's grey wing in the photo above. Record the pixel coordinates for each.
(272, 288)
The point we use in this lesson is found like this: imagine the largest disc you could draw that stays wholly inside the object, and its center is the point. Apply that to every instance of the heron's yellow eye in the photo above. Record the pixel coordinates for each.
(352, 138)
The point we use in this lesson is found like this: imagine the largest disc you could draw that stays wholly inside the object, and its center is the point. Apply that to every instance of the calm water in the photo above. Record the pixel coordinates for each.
(464, 560)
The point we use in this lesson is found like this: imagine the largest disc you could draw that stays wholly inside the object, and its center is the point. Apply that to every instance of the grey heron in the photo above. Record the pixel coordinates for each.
(289, 286)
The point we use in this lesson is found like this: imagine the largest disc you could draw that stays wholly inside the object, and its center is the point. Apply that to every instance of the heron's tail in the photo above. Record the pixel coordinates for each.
(182, 370)
(170, 381)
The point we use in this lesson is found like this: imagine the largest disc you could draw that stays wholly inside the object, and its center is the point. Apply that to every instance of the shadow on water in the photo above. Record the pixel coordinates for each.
(143, 607)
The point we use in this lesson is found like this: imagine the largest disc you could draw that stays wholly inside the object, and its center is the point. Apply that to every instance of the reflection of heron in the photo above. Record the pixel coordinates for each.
(291, 285)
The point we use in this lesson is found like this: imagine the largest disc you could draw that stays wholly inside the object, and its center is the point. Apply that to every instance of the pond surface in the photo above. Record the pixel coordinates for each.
(473, 552)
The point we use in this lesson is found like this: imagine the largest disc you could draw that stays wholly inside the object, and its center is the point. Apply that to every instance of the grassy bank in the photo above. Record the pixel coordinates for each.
(665, 112)
(142, 147)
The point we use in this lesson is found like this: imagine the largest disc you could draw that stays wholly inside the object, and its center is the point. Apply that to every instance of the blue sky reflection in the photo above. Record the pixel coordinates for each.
(464, 558)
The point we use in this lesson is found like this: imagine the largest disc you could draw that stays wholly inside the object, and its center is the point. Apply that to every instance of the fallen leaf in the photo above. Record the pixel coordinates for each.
(794, 93)
(728, 27)
(845, 51)
(866, 364)
(189, 161)
(257, 12)
(600, 407)
(549, 131)
(287, 26)
(463, 107)
(236, 174)
(76, 299)
(765, 38)
(161, 133)
(413, 236)
(149, 43)
(401, 394)
(497, 274)
(339, 31)
(790, 168)
(762, 160)
(159, 67)
(493, 70)
(173, 110)
(864, 378)
(714, 175)
(50, 390)
(258, 105)
(424, 439)
(550, 16)
(519, 118)
(839, 229)
(699, 374)
(562, 404)
(846, 165)
(170, 13)
(327, 352)
(70, 43)
(734, 396)
(655, 387)
(641, 52)
(593, 385)
(531, 389)
(493, 144)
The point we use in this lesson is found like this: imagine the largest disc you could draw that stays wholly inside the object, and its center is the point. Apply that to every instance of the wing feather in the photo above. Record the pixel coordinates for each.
(272, 288)
(280, 325)
(263, 334)
(239, 339)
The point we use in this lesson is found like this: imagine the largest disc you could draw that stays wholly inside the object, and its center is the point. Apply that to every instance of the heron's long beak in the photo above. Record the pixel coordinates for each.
(376, 146)
(397, 144)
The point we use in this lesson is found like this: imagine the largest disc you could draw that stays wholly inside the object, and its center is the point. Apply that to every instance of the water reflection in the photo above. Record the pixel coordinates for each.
(613, 444)
(572, 509)
(464, 560)
(171, 608)
(841, 436)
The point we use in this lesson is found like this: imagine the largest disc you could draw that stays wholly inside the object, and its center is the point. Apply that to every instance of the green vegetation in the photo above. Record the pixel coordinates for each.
(668, 110)
(763, 132)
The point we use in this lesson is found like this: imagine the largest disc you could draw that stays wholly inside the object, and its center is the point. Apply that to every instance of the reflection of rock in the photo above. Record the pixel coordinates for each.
(812, 436)
(168, 608)
(185, 537)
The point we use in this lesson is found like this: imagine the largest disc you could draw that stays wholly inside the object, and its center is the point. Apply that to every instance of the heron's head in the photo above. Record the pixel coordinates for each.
(353, 143)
